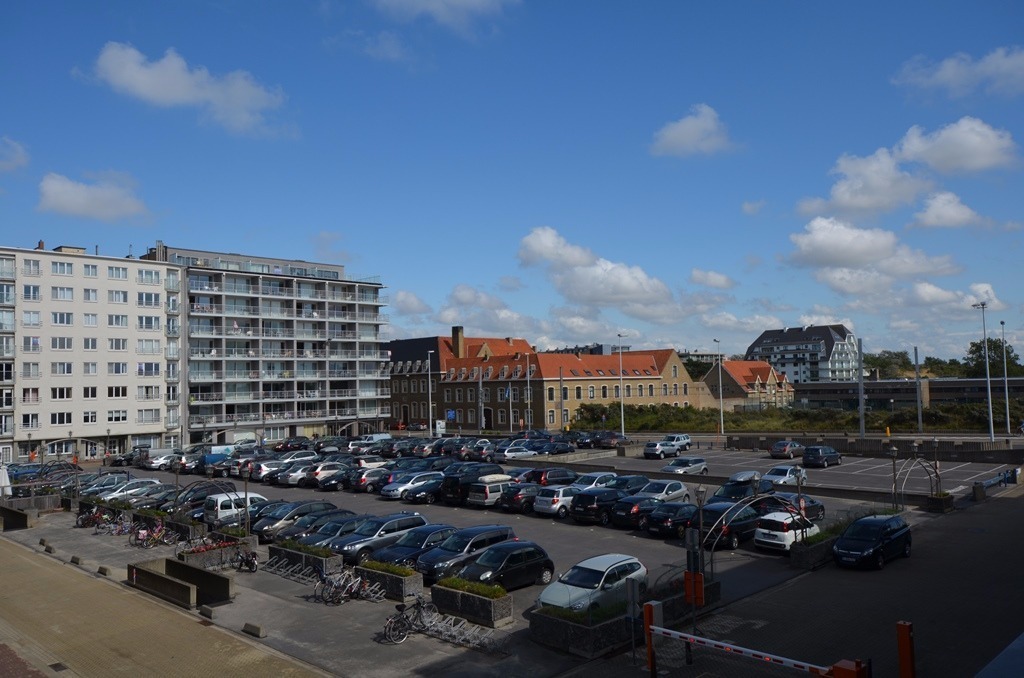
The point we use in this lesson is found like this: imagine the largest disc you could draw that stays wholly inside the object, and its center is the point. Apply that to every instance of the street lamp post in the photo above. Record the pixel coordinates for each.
(622, 392)
(244, 471)
(988, 376)
(721, 396)
(892, 453)
(430, 400)
(1006, 384)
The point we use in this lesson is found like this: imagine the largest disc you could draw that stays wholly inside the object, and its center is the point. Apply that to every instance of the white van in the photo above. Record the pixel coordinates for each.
(225, 509)
(367, 440)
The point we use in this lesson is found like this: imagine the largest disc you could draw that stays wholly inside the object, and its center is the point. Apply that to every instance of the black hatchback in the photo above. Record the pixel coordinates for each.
(727, 524)
(871, 541)
(511, 564)
(634, 512)
(594, 505)
(671, 519)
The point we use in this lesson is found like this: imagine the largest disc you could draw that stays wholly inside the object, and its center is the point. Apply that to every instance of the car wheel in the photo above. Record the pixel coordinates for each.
(906, 549)
(488, 459)
(642, 523)
(661, 455)
(362, 556)
(604, 518)
(404, 495)
(686, 499)
(839, 461)
(790, 455)
(545, 577)
(824, 463)
(429, 499)
(163, 467)
(734, 542)
(562, 512)
(370, 489)
(879, 560)
(704, 471)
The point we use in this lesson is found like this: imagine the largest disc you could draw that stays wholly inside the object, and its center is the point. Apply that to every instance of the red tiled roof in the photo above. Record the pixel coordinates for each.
(747, 372)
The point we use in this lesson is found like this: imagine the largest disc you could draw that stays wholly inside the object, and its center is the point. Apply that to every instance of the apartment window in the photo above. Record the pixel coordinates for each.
(30, 293)
(92, 295)
(90, 270)
(117, 391)
(61, 343)
(89, 417)
(60, 418)
(147, 346)
(458, 395)
(89, 343)
(591, 392)
(62, 293)
(117, 321)
(62, 393)
(90, 319)
(117, 296)
(551, 395)
(30, 395)
(149, 369)
(604, 392)
(63, 319)
(148, 393)
(117, 272)
(89, 392)
(148, 276)
(151, 299)
(551, 416)
(650, 390)
(579, 392)
(60, 368)
(149, 322)
(30, 266)
(149, 416)
(30, 318)
(117, 344)
(30, 344)
(114, 416)
(629, 390)
(62, 268)
(90, 369)
(117, 368)
(30, 421)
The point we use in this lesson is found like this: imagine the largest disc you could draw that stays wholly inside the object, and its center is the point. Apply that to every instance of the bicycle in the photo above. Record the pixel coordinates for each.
(420, 616)
(324, 588)
(245, 559)
(92, 518)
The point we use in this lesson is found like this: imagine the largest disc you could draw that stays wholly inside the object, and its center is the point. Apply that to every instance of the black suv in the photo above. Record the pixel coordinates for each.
(455, 486)
(551, 476)
(519, 497)
(594, 505)
(726, 523)
(742, 485)
(460, 549)
(872, 540)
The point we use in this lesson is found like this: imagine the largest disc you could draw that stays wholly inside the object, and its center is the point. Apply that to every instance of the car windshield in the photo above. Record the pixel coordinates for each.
(621, 483)
(411, 539)
(370, 528)
(733, 491)
(491, 558)
(456, 543)
(777, 472)
(281, 511)
(863, 531)
(307, 520)
(654, 487)
(582, 577)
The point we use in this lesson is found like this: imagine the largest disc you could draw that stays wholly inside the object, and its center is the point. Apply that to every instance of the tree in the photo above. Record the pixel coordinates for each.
(937, 367)
(974, 361)
(890, 364)
(697, 369)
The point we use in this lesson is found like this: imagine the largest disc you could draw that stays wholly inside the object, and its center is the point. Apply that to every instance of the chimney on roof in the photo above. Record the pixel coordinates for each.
(41, 245)
(459, 341)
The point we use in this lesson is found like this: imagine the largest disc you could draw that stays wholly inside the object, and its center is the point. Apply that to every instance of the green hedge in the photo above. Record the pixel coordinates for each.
(584, 617)
(318, 551)
(486, 590)
(389, 568)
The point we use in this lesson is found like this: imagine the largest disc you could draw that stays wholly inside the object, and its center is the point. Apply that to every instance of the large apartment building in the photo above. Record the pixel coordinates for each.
(808, 354)
(101, 353)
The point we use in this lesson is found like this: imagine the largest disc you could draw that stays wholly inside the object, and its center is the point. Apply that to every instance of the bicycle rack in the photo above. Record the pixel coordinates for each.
(271, 565)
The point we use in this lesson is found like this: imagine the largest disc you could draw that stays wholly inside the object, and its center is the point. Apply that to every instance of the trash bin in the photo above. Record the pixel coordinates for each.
(979, 491)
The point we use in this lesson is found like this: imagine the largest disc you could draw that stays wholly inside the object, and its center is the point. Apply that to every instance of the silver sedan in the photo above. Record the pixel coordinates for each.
(407, 483)
(688, 465)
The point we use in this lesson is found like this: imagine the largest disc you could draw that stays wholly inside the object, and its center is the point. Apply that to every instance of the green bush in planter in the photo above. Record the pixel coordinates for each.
(492, 591)
(584, 617)
(389, 568)
(120, 504)
(234, 531)
(151, 512)
(317, 551)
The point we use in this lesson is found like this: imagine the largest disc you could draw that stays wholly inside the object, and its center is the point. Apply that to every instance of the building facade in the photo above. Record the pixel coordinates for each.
(749, 385)
(808, 354)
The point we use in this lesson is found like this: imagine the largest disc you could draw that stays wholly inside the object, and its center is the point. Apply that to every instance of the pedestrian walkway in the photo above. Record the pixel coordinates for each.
(64, 621)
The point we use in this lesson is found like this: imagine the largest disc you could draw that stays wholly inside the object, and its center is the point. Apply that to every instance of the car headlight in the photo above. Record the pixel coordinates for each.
(348, 547)
(486, 575)
(577, 606)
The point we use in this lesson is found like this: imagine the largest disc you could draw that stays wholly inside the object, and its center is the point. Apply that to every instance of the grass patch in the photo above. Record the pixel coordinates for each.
(491, 591)
(389, 568)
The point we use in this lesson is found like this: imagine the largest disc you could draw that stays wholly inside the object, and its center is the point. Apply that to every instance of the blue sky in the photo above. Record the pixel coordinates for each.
(563, 171)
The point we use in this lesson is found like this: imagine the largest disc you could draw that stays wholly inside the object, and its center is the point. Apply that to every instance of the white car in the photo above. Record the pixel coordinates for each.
(514, 452)
(688, 465)
(779, 531)
(408, 482)
(295, 475)
(598, 582)
(786, 475)
(555, 499)
(162, 462)
(665, 490)
(132, 487)
(594, 479)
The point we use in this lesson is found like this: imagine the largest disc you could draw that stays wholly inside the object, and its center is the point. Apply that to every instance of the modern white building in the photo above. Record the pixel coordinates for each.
(88, 361)
(278, 348)
(808, 354)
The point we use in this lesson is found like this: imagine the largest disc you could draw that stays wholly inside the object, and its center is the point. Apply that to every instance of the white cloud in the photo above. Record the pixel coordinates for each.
(409, 303)
(711, 279)
(109, 199)
(750, 208)
(457, 15)
(944, 210)
(12, 155)
(465, 295)
(968, 145)
(699, 132)
(871, 184)
(854, 282)
(825, 317)
(752, 325)
(385, 46)
(946, 301)
(827, 241)
(1001, 71)
(234, 100)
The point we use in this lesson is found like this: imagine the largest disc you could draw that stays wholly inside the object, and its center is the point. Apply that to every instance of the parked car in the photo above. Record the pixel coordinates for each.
(375, 534)
(276, 520)
(416, 541)
(742, 485)
(779, 531)
(634, 511)
(812, 508)
(557, 447)
(786, 449)
(669, 446)
(220, 510)
(301, 454)
(872, 541)
(460, 549)
(367, 480)
(594, 479)
(628, 484)
(598, 582)
(554, 500)
(516, 451)
(670, 520)
(581, 439)
(519, 497)
(150, 492)
(310, 523)
(428, 493)
(487, 490)
(665, 490)
(292, 444)
(821, 455)
(552, 476)
(594, 505)
(727, 524)
(512, 565)
(128, 489)
(456, 484)
(155, 500)
(163, 462)
(401, 487)
(687, 465)
(336, 527)
(786, 475)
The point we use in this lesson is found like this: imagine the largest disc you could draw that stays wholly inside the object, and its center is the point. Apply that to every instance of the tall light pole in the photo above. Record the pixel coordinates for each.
(528, 414)
(721, 399)
(988, 376)
(622, 392)
(1006, 384)
(430, 400)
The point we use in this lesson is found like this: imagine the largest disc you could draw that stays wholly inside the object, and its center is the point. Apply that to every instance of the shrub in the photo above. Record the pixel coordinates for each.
(389, 568)
(584, 617)
(317, 551)
(120, 504)
(486, 590)
(234, 531)
(151, 512)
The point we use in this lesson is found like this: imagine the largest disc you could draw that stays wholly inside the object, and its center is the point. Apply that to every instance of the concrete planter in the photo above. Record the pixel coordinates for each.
(212, 559)
(395, 587)
(490, 612)
(293, 558)
(589, 642)
(940, 503)
(249, 543)
(813, 556)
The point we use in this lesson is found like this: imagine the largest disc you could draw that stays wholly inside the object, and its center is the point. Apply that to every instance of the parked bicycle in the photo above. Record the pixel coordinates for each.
(245, 559)
(148, 538)
(93, 518)
(420, 616)
(326, 588)
(118, 526)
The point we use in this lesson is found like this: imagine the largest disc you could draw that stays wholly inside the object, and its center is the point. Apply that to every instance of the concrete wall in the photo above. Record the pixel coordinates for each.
(179, 583)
